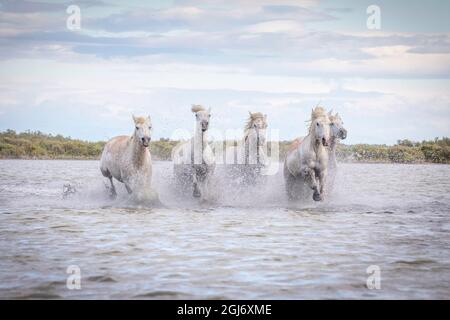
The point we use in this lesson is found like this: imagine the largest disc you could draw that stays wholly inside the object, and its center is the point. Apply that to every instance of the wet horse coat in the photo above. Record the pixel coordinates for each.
(194, 161)
(128, 160)
(306, 162)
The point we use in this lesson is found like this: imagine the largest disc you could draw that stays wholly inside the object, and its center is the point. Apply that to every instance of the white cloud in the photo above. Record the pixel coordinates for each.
(275, 26)
(233, 55)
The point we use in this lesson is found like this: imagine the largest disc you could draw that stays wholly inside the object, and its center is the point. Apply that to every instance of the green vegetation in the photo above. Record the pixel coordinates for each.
(37, 145)
(405, 151)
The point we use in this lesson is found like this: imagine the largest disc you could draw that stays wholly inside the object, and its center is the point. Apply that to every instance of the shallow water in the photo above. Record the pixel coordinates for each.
(250, 244)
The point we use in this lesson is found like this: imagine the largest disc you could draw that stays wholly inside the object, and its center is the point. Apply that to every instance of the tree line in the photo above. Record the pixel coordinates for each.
(38, 145)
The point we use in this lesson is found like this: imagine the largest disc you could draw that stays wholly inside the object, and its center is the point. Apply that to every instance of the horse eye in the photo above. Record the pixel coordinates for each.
(137, 128)
(317, 124)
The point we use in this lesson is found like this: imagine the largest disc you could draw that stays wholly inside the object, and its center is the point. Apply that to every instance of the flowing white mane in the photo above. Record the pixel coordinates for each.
(316, 113)
(196, 108)
(335, 117)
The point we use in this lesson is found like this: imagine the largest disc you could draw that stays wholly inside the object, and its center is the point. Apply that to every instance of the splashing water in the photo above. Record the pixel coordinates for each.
(249, 243)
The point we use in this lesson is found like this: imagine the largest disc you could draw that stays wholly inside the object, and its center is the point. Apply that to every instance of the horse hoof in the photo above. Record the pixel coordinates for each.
(196, 194)
(317, 196)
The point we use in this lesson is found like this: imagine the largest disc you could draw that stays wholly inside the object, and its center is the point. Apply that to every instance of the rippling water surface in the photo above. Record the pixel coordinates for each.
(250, 244)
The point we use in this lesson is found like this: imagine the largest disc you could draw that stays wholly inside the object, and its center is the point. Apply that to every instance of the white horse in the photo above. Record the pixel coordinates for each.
(248, 158)
(194, 160)
(128, 160)
(338, 132)
(306, 162)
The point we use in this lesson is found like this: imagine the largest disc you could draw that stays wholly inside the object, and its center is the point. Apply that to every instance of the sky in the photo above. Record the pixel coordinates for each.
(279, 57)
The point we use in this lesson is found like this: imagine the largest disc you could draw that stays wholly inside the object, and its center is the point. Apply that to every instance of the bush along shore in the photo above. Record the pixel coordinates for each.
(37, 145)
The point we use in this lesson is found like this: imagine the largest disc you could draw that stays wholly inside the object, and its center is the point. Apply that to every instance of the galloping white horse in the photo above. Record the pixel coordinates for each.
(128, 160)
(338, 132)
(307, 160)
(194, 160)
(248, 158)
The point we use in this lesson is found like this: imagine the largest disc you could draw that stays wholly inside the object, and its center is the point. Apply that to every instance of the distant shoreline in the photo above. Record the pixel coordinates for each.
(40, 146)
(169, 160)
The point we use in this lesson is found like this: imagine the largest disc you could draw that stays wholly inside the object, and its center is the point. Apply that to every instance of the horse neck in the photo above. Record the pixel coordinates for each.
(200, 138)
(139, 153)
(333, 145)
(199, 142)
(247, 136)
(313, 144)
(318, 146)
(251, 139)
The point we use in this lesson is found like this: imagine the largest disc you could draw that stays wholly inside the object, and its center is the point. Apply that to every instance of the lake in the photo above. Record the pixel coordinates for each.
(250, 244)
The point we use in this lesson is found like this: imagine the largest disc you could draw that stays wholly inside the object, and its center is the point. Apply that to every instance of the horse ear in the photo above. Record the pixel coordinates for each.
(134, 118)
(250, 113)
(209, 110)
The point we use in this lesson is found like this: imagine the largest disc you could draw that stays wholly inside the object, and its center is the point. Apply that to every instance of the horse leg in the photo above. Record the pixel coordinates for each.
(322, 182)
(113, 188)
(196, 193)
(107, 174)
(203, 190)
(208, 194)
(311, 180)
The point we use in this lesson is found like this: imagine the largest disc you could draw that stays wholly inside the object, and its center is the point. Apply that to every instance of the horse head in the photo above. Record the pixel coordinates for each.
(257, 125)
(320, 130)
(202, 117)
(143, 130)
(337, 126)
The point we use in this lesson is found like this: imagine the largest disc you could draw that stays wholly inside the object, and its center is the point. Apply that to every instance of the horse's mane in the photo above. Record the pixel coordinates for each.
(251, 118)
(334, 117)
(196, 108)
(140, 120)
(316, 113)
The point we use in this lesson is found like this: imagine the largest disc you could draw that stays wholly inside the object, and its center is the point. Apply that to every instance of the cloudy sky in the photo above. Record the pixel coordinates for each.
(280, 57)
